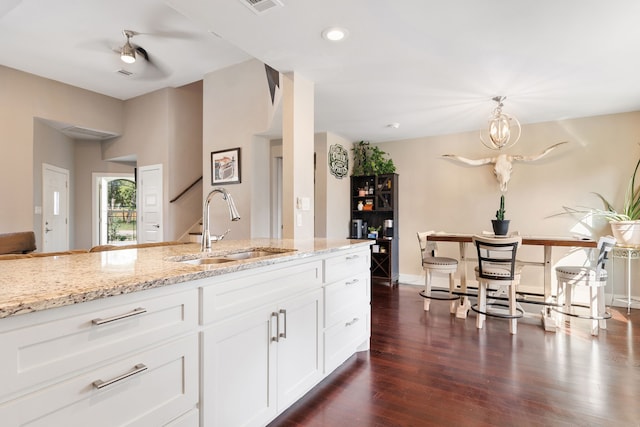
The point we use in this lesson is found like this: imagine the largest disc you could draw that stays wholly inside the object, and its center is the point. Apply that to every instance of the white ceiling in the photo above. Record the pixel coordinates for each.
(431, 66)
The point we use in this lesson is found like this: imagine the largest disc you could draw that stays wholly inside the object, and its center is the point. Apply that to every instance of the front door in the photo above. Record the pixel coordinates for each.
(55, 209)
(150, 204)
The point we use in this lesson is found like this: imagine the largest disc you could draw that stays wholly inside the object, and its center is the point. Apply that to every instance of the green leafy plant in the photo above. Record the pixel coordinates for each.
(500, 212)
(370, 160)
(630, 209)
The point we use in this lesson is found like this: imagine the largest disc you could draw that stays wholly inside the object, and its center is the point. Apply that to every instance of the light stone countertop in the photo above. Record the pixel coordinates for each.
(40, 283)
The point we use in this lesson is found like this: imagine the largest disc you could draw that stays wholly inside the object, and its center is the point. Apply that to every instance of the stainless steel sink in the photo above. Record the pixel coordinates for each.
(254, 253)
(237, 256)
(205, 261)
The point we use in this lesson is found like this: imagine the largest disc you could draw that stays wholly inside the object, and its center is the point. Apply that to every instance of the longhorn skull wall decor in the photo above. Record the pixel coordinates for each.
(502, 163)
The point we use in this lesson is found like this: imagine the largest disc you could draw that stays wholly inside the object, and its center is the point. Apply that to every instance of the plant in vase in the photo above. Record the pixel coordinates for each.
(500, 225)
(625, 223)
(370, 160)
(373, 232)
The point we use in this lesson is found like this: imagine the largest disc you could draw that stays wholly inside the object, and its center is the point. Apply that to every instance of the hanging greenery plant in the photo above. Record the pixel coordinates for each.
(370, 160)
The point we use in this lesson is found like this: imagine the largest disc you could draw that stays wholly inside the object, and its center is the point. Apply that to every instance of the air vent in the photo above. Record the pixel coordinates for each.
(261, 6)
(124, 72)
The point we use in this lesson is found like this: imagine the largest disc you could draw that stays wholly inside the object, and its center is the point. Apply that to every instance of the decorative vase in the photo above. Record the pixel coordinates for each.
(627, 233)
(500, 226)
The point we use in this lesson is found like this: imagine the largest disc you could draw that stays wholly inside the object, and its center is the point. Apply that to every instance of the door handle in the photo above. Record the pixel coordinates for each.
(283, 334)
(135, 312)
(156, 225)
(276, 338)
(99, 384)
(47, 229)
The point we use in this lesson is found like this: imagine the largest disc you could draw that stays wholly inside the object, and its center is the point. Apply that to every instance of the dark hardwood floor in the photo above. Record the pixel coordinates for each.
(433, 369)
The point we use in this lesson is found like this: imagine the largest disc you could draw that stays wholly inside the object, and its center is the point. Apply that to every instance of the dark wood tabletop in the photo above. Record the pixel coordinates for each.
(526, 240)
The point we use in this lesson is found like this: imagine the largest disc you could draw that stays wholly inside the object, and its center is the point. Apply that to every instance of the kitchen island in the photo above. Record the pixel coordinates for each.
(158, 337)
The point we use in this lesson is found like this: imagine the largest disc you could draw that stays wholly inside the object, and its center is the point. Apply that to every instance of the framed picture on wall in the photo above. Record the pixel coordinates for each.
(225, 166)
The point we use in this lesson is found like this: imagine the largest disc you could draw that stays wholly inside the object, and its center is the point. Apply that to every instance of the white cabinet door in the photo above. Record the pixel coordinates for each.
(258, 364)
(238, 370)
(300, 350)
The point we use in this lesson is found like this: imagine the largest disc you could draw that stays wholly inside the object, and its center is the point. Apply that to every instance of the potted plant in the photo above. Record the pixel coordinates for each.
(500, 225)
(625, 223)
(370, 160)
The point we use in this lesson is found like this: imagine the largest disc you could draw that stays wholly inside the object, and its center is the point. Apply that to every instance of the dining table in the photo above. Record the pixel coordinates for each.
(545, 298)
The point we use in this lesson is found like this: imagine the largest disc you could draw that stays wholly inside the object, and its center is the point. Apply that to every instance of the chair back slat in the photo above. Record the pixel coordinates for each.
(605, 244)
(427, 248)
(497, 253)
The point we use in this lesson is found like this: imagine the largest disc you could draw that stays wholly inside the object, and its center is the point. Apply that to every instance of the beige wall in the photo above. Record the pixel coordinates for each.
(165, 127)
(332, 195)
(237, 110)
(162, 127)
(297, 160)
(25, 97)
(185, 158)
(443, 195)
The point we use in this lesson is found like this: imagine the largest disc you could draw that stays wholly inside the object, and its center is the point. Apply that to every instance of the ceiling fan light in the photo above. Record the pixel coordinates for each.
(128, 53)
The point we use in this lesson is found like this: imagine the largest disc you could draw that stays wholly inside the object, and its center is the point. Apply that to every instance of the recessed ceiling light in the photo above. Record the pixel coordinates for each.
(334, 34)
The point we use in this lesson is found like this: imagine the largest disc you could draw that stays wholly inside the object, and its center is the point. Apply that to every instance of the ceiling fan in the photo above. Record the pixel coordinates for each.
(130, 52)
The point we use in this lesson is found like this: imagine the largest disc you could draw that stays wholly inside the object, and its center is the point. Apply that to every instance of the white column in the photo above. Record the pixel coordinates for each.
(298, 147)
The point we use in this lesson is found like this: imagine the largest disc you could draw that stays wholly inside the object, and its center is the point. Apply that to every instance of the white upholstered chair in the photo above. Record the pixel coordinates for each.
(594, 278)
(431, 263)
(497, 271)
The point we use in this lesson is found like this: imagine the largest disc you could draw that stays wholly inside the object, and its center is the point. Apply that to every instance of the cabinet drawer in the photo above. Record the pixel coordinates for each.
(166, 389)
(341, 296)
(74, 338)
(342, 339)
(346, 265)
(235, 296)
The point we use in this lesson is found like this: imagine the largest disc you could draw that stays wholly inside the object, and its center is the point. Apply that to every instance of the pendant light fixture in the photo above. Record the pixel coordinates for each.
(503, 130)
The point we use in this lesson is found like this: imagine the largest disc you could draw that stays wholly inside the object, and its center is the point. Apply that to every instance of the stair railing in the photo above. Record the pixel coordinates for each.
(193, 184)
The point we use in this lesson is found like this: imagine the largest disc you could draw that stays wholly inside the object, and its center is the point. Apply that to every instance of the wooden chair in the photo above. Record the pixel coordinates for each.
(593, 277)
(434, 264)
(497, 270)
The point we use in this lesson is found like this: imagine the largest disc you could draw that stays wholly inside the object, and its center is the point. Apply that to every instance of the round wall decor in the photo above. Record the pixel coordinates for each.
(338, 161)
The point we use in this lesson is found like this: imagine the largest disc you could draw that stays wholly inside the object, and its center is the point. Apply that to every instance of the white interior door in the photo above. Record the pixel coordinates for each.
(150, 202)
(55, 208)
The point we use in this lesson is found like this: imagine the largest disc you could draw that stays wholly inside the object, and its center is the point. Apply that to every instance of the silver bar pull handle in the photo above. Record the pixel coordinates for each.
(284, 334)
(277, 337)
(352, 282)
(352, 257)
(99, 384)
(135, 312)
(355, 319)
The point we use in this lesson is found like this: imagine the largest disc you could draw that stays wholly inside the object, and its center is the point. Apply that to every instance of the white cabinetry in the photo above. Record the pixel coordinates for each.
(347, 307)
(116, 361)
(233, 349)
(259, 362)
